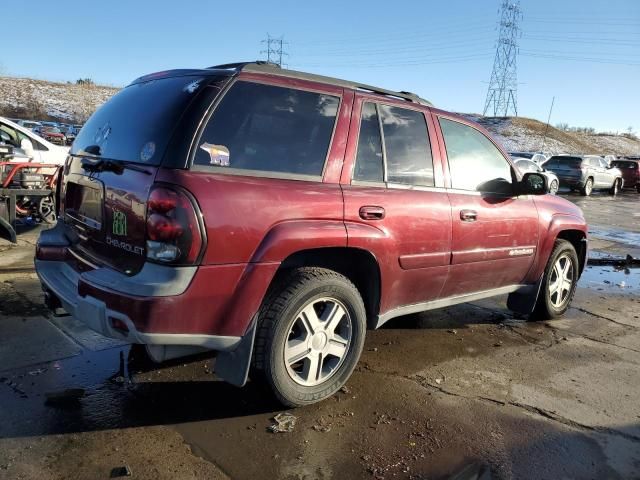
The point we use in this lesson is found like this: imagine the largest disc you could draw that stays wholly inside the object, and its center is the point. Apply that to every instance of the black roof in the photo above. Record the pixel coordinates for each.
(275, 69)
(230, 69)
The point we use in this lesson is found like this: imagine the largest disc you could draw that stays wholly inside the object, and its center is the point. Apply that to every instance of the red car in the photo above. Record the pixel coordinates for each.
(630, 168)
(54, 135)
(273, 216)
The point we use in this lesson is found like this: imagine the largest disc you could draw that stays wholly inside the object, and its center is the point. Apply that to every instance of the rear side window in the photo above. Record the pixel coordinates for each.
(474, 161)
(136, 124)
(565, 161)
(266, 128)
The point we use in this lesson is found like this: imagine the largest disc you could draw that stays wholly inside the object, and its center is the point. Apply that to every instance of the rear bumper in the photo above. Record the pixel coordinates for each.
(59, 279)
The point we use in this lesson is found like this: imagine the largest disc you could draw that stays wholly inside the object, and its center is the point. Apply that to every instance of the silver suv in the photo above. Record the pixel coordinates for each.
(585, 173)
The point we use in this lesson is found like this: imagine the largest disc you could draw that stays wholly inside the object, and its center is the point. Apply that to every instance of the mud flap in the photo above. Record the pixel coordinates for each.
(233, 367)
(6, 231)
(524, 301)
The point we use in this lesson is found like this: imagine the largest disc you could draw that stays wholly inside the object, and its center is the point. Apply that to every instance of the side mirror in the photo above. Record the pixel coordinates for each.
(27, 147)
(533, 183)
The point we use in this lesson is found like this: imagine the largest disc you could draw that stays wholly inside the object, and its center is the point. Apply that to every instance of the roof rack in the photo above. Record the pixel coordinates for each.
(274, 68)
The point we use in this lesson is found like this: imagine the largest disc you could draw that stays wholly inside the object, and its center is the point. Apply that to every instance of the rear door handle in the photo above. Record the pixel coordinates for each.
(468, 215)
(372, 213)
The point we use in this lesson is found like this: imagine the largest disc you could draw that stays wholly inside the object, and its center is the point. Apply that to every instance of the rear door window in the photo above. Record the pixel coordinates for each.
(369, 160)
(407, 147)
(475, 163)
(266, 128)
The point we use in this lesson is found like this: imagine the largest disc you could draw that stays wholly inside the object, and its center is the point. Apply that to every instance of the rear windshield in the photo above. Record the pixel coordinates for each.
(136, 123)
(565, 161)
(622, 164)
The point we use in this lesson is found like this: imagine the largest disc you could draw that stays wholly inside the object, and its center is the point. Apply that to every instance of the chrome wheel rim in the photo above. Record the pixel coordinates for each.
(554, 187)
(318, 341)
(561, 281)
(588, 186)
(47, 209)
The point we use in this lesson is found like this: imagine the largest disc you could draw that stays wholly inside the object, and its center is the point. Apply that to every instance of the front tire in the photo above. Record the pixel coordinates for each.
(310, 335)
(553, 188)
(587, 188)
(615, 188)
(559, 282)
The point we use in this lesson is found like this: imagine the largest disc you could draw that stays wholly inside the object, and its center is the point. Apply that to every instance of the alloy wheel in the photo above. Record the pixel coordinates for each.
(561, 281)
(318, 341)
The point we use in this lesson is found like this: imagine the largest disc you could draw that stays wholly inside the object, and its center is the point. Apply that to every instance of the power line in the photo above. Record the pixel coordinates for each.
(502, 91)
(275, 49)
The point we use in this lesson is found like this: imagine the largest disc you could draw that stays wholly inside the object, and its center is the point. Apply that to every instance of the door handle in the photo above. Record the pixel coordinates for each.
(372, 213)
(468, 215)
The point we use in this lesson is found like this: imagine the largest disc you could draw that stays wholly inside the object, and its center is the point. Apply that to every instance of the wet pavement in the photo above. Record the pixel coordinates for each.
(433, 392)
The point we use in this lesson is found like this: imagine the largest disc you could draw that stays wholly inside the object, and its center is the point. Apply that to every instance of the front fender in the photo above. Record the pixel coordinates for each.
(558, 224)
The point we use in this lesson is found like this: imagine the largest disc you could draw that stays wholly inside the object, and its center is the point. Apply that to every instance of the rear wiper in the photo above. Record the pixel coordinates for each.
(105, 164)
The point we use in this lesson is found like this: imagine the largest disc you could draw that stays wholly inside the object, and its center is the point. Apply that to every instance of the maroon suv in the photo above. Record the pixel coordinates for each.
(273, 216)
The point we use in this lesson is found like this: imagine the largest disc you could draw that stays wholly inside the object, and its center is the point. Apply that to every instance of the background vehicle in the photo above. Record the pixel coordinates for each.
(585, 173)
(536, 157)
(54, 135)
(525, 165)
(28, 124)
(27, 146)
(630, 172)
(274, 216)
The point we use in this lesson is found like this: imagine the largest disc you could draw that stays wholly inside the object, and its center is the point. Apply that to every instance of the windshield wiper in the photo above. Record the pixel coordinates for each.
(106, 164)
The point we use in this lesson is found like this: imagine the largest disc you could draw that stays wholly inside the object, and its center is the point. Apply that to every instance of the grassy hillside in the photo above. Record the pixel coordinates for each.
(526, 134)
(41, 100)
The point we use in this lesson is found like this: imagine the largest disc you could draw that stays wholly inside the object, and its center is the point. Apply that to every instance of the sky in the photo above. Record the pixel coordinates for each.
(585, 53)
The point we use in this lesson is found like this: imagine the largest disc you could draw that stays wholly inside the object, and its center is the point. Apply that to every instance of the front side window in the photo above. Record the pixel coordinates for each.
(474, 161)
(268, 128)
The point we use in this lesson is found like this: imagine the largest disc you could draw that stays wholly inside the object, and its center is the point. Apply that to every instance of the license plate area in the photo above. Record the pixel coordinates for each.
(84, 203)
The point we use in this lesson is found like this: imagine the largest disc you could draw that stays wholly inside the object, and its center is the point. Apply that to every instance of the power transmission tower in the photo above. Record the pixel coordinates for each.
(275, 49)
(503, 87)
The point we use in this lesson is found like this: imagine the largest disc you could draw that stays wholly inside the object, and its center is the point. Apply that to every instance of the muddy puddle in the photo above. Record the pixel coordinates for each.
(614, 235)
(611, 279)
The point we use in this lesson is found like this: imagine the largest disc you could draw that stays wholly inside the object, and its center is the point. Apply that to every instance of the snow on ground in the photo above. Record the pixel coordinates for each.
(61, 100)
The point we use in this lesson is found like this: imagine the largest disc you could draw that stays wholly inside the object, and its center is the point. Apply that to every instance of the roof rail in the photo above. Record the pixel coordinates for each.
(241, 65)
(274, 68)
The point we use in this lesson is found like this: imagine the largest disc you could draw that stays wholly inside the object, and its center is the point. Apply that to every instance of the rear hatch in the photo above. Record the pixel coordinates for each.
(630, 172)
(113, 164)
(565, 166)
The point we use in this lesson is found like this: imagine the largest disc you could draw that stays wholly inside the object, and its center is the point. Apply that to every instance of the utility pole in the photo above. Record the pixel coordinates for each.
(275, 49)
(503, 86)
(548, 120)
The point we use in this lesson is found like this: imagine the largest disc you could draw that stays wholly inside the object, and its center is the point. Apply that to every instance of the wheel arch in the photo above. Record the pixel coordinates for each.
(577, 238)
(358, 265)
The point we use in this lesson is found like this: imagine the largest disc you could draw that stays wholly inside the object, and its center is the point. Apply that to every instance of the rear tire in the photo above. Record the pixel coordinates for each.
(559, 282)
(311, 331)
(587, 187)
(553, 188)
(615, 188)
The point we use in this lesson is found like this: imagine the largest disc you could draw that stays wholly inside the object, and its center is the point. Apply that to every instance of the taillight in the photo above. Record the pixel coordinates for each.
(174, 227)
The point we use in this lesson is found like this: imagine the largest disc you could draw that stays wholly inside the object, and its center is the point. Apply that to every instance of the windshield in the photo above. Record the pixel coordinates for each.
(136, 124)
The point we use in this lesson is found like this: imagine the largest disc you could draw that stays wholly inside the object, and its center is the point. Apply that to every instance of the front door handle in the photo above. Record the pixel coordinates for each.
(372, 213)
(468, 215)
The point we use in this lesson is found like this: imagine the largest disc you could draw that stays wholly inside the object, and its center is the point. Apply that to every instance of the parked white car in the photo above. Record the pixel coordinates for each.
(27, 146)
